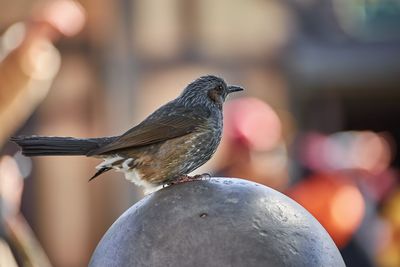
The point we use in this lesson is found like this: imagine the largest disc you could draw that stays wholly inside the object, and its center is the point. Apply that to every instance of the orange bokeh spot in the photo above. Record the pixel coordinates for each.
(334, 201)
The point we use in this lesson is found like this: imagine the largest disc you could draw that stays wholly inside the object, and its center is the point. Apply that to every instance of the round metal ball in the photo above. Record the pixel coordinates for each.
(217, 222)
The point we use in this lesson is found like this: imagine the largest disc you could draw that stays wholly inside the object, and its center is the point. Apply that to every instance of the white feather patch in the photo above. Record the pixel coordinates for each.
(134, 176)
(108, 162)
(131, 175)
(125, 164)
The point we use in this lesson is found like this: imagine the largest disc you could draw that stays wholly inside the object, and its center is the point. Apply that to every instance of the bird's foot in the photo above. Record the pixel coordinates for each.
(187, 178)
(205, 176)
(181, 179)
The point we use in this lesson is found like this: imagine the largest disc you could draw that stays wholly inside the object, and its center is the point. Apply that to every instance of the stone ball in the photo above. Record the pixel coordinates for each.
(217, 222)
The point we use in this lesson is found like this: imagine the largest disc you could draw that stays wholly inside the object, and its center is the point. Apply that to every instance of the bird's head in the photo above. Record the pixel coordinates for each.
(208, 90)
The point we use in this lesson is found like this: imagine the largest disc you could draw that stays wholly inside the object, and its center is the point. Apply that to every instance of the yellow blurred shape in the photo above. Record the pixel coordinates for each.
(13, 37)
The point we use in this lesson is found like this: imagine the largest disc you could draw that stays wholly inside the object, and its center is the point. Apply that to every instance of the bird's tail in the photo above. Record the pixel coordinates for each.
(58, 146)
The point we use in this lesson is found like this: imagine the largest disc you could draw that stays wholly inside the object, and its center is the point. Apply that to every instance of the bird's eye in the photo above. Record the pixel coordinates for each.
(220, 88)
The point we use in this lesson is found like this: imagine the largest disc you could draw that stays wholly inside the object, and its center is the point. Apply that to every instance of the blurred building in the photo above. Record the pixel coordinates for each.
(328, 70)
(343, 73)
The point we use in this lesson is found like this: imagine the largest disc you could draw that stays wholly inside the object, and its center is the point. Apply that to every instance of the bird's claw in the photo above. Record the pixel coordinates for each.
(206, 176)
(187, 178)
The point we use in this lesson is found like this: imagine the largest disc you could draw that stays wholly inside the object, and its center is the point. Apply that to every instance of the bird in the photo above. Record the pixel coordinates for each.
(163, 149)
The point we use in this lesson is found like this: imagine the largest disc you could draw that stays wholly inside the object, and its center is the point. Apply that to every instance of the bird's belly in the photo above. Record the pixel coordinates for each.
(176, 157)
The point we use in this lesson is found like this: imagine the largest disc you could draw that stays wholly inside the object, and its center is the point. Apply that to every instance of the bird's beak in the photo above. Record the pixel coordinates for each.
(234, 88)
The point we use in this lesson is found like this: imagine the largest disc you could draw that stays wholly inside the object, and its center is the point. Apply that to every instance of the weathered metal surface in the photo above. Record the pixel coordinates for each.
(218, 222)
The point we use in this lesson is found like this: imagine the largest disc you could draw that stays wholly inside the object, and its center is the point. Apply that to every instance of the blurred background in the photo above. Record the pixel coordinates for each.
(319, 120)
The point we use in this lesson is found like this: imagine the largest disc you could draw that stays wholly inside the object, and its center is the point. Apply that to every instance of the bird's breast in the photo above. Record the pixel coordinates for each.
(167, 160)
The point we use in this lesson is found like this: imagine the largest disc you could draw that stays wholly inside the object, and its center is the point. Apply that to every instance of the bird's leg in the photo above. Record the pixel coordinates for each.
(187, 178)
(181, 179)
(202, 176)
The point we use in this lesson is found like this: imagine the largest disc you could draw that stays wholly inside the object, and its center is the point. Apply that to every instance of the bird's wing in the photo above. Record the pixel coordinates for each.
(156, 128)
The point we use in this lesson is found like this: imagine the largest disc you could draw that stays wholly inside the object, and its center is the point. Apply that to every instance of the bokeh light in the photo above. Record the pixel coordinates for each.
(66, 16)
(364, 150)
(335, 201)
(253, 123)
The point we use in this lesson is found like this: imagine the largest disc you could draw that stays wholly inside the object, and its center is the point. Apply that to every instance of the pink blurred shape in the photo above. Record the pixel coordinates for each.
(252, 123)
(363, 150)
(66, 16)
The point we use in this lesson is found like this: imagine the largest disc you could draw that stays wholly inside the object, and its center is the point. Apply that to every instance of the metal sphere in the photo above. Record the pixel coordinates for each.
(217, 222)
